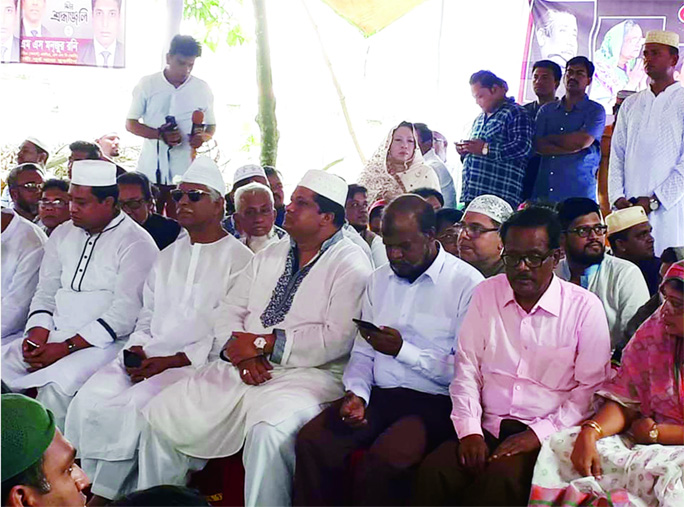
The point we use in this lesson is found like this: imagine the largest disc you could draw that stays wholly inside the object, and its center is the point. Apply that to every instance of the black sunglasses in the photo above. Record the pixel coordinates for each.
(194, 195)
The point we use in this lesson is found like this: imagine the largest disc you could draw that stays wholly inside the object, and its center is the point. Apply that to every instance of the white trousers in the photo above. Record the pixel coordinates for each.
(52, 397)
(268, 457)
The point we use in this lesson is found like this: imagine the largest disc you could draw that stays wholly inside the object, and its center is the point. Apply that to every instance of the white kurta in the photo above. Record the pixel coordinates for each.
(89, 285)
(318, 336)
(180, 295)
(351, 234)
(647, 158)
(22, 252)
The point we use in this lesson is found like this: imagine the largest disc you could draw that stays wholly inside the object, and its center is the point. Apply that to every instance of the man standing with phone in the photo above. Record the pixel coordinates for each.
(397, 380)
(165, 102)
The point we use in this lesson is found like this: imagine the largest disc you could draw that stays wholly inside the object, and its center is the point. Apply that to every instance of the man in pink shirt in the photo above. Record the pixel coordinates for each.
(532, 351)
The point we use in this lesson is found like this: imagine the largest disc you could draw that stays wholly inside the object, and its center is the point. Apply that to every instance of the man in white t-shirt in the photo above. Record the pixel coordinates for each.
(169, 145)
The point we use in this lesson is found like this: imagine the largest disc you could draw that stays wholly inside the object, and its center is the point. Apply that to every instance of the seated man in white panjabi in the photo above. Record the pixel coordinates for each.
(289, 331)
(255, 216)
(172, 338)
(89, 293)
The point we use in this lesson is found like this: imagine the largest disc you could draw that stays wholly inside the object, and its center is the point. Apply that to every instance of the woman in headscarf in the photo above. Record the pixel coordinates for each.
(397, 166)
(631, 452)
(618, 66)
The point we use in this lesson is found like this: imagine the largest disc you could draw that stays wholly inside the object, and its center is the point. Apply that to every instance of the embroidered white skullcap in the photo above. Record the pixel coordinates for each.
(204, 171)
(662, 37)
(38, 142)
(248, 171)
(622, 219)
(494, 207)
(93, 173)
(326, 184)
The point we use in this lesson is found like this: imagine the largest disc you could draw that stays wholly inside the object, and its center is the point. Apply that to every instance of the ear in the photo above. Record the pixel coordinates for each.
(22, 495)
(168, 58)
(14, 193)
(557, 253)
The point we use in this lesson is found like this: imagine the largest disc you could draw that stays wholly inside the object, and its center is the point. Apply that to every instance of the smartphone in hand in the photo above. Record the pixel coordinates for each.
(32, 345)
(131, 359)
(368, 326)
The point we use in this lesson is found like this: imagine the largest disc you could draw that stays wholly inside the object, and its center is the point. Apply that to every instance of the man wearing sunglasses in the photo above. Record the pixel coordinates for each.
(173, 335)
(25, 183)
(531, 352)
(618, 283)
(53, 207)
(135, 199)
(479, 242)
(89, 293)
(285, 330)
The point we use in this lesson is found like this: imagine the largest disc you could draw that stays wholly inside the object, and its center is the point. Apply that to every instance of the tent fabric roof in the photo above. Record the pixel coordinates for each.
(371, 16)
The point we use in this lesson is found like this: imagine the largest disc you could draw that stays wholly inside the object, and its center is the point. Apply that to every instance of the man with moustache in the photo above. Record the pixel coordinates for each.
(285, 331)
(53, 206)
(646, 165)
(109, 145)
(618, 283)
(89, 293)
(396, 402)
(173, 334)
(25, 184)
(255, 217)
(531, 352)
(568, 139)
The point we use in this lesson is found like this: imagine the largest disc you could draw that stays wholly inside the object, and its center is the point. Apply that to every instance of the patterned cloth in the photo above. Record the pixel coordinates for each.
(509, 132)
(288, 283)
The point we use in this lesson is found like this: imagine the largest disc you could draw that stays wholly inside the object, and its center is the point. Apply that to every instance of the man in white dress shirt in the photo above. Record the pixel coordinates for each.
(397, 381)
(22, 253)
(255, 216)
(89, 293)
(167, 150)
(172, 338)
(287, 329)
(647, 150)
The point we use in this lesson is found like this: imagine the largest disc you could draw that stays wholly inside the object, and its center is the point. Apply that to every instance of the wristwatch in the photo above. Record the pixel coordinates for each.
(653, 434)
(71, 346)
(260, 344)
(485, 149)
(653, 203)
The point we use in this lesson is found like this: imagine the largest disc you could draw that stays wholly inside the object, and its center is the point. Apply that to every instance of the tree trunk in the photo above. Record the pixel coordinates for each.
(266, 118)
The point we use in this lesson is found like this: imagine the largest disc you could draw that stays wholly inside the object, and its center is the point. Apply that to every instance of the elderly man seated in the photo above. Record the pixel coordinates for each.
(22, 253)
(25, 183)
(255, 216)
(629, 234)
(244, 175)
(479, 241)
(618, 283)
(53, 206)
(397, 380)
(38, 465)
(172, 339)
(287, 329)
(89, 293)
(531, 352)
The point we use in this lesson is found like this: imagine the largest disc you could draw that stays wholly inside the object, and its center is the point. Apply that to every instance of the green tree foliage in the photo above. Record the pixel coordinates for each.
(220, 23)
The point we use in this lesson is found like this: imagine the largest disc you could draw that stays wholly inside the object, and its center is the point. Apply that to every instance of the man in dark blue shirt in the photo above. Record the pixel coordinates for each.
(568, 139)
(495, 157)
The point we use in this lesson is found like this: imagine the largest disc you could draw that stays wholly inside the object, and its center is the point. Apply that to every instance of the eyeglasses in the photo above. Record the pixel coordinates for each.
(194, 195)
(57, 203)
(584, 231)
(135, 204)
(449, 236)
(473, 230)
(32, 187)
(530, 260)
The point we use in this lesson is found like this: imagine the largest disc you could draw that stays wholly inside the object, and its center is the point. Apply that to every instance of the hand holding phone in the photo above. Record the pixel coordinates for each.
(131, 359)
(31, 345)
(367, 326)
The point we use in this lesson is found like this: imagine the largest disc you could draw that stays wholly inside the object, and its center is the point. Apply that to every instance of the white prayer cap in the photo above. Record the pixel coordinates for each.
(93, 173)
(494, 207)
(204, 171)
(662, 37)
(248, 171)
(37, 142)
(326, 184)
(622, 219)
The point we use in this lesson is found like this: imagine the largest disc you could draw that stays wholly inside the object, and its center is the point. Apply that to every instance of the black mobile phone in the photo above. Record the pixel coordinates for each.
(367, 325)
(131, 359)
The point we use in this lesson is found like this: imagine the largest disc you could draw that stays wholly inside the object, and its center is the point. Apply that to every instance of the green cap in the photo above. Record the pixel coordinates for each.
(27, 431)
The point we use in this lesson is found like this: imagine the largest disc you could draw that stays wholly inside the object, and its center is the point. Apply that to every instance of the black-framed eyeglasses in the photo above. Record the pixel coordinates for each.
(194, 195)
(31, 186)
(473, 230)
(583, 231)
(449, 235)
(57, 203)
(530, 260)
(133, 204)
